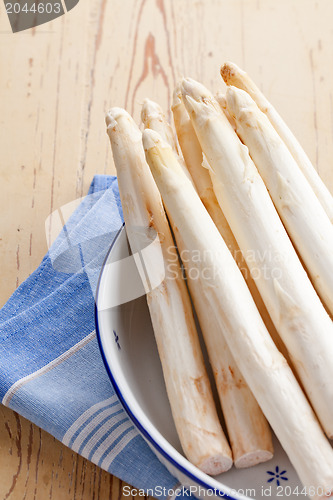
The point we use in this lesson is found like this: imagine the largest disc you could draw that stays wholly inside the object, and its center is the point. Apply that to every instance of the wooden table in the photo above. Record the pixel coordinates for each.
(56, 83)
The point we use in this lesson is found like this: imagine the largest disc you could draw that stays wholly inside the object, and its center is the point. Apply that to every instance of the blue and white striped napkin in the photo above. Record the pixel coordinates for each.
(51, 371)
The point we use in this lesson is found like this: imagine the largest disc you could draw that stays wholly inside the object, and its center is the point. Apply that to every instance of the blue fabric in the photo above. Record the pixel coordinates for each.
(47, 341)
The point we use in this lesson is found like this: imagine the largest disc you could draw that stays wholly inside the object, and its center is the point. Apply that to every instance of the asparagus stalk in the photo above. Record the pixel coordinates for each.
(248, 430)
(264, 368)
(300, 210)
(186, 379)
(295, 308)
(233, 75)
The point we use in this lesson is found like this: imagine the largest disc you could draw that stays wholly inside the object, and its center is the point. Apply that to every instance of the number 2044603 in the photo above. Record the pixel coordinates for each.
(37, 8)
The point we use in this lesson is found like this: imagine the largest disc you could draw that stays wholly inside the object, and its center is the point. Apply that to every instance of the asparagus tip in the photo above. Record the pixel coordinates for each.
(196, 97)
(113, 116)
(194, 89)
(237, 99)
(150, 139)
(119, 120)
(149, 110)
(229, 70)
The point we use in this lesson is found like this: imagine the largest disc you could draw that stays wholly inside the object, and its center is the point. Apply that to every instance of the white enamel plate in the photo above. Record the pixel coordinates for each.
(130, 356)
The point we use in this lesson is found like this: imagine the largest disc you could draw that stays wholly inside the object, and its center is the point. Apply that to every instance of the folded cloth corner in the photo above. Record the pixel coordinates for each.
(51, 371)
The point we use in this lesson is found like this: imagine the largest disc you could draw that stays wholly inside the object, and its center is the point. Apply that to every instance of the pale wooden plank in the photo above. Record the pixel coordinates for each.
(56, 83)
(42, 96)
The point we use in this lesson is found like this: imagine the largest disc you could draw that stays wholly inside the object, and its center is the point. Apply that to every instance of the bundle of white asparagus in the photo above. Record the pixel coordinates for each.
(259, 313)
(295, 308)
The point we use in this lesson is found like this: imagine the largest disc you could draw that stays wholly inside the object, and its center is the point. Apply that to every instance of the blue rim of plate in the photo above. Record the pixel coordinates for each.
(136, 422)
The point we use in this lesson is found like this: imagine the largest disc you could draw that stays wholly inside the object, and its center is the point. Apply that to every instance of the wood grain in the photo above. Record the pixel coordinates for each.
(56, 83)
(34, 465)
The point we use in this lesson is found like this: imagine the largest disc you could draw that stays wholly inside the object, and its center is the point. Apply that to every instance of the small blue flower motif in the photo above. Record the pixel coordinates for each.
(277, 475)
(116, 339)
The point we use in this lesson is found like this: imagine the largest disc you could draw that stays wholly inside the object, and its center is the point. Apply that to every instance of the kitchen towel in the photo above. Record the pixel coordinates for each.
(51, 371)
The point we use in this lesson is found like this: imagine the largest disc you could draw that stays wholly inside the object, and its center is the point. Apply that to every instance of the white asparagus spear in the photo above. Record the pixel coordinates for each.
(295, 308)
(187, 382)
(264, 368)
(248, 430)
(233, 75)
(299, 208)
